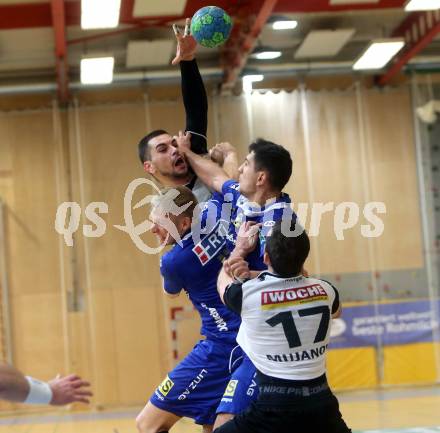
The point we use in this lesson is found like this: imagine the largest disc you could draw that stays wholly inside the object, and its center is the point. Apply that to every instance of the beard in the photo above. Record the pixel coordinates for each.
(174, 174)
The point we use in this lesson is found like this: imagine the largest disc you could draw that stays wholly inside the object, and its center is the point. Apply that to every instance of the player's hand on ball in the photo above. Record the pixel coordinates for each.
(69, 389)
(183, 141)
(238, 268)
(247, 237)
(186, 44)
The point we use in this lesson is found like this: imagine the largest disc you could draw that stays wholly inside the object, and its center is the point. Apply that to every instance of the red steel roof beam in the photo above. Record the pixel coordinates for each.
(418, 30)
(235, 62)
(59, 27)
(29, 15)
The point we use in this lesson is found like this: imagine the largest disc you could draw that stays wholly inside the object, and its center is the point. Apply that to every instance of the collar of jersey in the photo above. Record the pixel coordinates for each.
(191, 184)
(277, 276)
(187, 236)
(248, 209)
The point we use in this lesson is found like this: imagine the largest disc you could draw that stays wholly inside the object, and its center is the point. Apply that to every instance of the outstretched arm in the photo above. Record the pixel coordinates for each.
(14, 386)
(210, 173)
(193, 90)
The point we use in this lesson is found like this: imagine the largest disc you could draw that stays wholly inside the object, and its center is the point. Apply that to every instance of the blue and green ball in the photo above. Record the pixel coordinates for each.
(211, 26)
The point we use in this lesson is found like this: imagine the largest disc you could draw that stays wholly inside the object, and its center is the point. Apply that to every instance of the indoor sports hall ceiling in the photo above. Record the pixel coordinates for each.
(42, 42)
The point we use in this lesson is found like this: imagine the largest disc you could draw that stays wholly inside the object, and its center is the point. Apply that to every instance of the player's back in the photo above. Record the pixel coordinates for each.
(286, 325)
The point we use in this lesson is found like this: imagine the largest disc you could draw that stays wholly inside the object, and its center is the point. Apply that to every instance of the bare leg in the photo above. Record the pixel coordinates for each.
(207, 428)
(155, 420)
(222, 418)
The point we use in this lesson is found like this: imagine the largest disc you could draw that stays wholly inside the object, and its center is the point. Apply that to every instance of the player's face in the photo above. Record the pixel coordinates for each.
(165, 158)
(160, 222)
(166, 227)
(248, 176)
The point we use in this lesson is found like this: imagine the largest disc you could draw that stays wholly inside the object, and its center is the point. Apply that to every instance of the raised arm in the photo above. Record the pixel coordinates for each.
(210, 173)
(193, 90)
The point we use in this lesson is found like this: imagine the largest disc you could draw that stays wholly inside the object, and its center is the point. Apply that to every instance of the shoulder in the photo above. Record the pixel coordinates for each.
(336, 302)
(201, 191)
(166, 262)
(172, 260)
(328, 284)
(231, 187)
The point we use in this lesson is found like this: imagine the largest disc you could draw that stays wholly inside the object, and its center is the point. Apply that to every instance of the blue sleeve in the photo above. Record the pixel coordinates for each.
(231, 187)
(211, 212)
(172, 282)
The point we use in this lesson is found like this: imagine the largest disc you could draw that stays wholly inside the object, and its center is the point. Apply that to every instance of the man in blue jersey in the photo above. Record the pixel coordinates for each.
(195, 387)
(257, 197)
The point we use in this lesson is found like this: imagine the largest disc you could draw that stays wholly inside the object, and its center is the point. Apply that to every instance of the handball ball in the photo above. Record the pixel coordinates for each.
(211, 26)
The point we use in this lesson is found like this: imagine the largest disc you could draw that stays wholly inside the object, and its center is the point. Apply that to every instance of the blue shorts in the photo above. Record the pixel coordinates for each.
(242, 389)
(195, 387)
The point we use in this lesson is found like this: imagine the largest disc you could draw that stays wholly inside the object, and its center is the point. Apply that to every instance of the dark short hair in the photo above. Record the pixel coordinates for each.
(274, 159)
(287, 254)
(144, 149)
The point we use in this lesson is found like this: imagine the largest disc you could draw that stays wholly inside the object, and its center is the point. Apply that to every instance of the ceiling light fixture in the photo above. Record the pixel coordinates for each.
(267, 55)
(379, 53)
(100, 14)
(285, 25)
(98, 70)
(422, 5)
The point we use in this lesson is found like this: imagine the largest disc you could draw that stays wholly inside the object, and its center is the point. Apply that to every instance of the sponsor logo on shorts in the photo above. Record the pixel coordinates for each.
(226, 400)
(193, 385)
(301, 295)
(165, 387)
(252, 387)
(230, 389)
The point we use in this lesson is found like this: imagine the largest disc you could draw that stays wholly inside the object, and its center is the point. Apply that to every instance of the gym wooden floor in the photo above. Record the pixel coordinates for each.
(409, 410)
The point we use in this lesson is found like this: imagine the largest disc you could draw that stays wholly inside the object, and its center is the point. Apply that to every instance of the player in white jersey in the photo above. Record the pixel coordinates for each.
(285, 332)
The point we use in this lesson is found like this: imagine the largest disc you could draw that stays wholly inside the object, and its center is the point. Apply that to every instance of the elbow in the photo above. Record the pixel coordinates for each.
(337, 314)
(171, 295)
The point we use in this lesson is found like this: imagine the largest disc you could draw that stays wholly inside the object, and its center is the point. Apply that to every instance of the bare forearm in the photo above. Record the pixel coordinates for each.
(209, 172)
(223, 281)
(230, 165)
(13, 385)
(239, 252)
